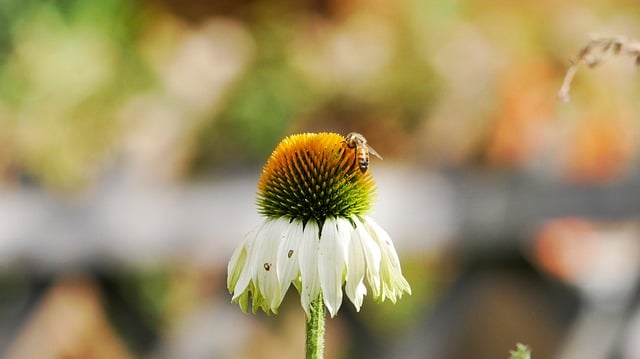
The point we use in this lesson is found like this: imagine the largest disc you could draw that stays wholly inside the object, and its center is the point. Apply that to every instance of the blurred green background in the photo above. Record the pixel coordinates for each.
(213, 86)
(170, 96)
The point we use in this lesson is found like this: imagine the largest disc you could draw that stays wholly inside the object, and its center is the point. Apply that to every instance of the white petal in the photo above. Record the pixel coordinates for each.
(255, 249)
(266, 248)
(332, 257)
(308, 260)
(246, 273)
(372, 255)
(235, 266)
(392, 281)
(356, 266)
(288, 266)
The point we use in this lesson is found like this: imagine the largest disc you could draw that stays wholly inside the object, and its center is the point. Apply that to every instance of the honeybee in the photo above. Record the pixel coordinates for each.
(359, 143)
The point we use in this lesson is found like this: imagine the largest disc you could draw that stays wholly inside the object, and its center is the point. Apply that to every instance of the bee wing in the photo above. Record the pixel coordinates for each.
(373, 152)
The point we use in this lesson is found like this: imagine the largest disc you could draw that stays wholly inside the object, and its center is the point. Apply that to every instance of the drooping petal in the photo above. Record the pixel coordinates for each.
(288, 265)
(236, 265)
(372, 256)
(243, 300)
(332, 258)
(246, 272)
(308, 261)
(246, 282)
(266, 248)
(356, 266)
(392, 281)
(258, 301)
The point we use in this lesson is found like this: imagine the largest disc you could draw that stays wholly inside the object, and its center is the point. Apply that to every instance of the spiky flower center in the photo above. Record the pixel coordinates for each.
(314, 176)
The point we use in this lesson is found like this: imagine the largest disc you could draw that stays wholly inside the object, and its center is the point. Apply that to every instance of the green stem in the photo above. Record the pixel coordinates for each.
(315, 330)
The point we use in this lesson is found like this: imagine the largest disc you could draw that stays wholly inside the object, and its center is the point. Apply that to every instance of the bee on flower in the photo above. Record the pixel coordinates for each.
(357, 142)
(316, 233)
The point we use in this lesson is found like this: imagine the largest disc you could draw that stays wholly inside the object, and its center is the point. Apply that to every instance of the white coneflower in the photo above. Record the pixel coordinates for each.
(316, 234)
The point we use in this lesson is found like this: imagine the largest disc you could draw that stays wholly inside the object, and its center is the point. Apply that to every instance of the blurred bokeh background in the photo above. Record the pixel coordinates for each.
(132, 135)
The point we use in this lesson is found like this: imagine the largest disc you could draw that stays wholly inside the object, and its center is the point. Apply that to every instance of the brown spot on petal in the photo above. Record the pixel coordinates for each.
(267, 266)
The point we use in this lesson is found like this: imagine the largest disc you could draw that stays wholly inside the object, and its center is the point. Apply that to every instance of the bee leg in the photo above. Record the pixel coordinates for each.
(355, 162)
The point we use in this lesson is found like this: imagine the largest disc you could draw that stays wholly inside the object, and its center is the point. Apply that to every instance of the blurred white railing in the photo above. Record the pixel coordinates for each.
(124, 221)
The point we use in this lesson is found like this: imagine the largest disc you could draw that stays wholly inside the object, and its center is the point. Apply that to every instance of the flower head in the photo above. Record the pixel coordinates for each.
(316, 234)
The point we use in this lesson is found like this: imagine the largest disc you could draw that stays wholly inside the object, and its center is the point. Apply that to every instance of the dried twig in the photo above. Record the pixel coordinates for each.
(594, 53)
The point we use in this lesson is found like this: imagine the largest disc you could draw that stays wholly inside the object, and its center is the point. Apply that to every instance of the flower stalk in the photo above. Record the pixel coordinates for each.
(314, 347)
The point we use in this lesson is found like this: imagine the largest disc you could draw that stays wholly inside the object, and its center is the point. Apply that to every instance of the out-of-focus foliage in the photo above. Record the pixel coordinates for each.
(83, 85)
(310, 72)
(149, 86)
(65, 67)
